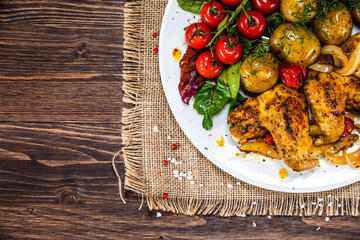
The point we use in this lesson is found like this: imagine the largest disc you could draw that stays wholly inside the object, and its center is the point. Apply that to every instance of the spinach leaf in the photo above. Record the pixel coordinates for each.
(193, 6)
(209, 100)
(236, 102)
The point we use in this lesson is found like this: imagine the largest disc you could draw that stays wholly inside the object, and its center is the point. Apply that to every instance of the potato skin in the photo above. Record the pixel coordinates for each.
(356, 14)
(259, 74)
(335, 27)
(295, 44)
(299, 10)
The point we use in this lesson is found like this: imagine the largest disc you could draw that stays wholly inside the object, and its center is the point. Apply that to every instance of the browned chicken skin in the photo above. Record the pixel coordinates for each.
(283, 112)
(328, 95)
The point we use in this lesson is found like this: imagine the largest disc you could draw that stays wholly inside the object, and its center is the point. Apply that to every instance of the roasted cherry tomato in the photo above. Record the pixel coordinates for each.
(349, 126)
(253, 25)
(207, 66)
(266, 7)
(229, 50)
(212, 14)
(292, 75)
(232, 2)
(269, 139)
(198, 35)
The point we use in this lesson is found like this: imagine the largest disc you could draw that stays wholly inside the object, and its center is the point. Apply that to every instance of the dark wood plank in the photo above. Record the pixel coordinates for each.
(66, 13)
(52, 101)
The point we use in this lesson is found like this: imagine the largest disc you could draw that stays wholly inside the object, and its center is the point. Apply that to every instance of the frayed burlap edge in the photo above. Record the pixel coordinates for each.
(132, 132)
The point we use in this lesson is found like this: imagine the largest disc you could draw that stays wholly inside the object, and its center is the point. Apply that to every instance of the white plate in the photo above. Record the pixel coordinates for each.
(250, 169)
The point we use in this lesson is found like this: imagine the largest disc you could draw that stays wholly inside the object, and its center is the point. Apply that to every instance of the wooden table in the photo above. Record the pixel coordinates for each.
(60, 90)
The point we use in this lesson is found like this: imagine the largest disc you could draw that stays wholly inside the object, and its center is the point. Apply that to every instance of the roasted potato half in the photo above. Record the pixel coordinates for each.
(335, 27)
(259, 74)
(295, 44)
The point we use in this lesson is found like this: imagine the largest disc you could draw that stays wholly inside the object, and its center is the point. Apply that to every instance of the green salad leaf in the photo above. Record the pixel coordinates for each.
(233, 78)
(236, 102)
(272, 22)
(209, 100)
(193, 6)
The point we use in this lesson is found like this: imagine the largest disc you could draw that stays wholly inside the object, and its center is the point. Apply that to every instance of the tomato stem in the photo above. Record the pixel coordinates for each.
(231, 20)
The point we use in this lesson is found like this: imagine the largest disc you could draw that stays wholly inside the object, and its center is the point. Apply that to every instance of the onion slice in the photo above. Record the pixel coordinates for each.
(353, 63)
(326, 68)
(353, 159)
(340, 59)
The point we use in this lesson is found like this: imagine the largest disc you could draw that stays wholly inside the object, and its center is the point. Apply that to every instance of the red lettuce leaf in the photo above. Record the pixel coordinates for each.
(190, 80)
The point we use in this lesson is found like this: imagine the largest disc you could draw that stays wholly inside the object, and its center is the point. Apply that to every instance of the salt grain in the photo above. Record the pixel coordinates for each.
(241, 215)
(155, 129)
(254, 203)
(327, 219)
(254, 224)
(329, 196)
(192, 182)
(313, 203)
(320, 199)
(175, 172)
(179, 162)
(330, 204)
(320, 205)
(229, 186)
(168, 137)
(200, 185)
(302, 206)
(180, 178)
(158, 214)
(221, 184)
(339, 205)
(190, 177)
(173, 160)
(238, 183)
(189, 173)
(269, 217)
(318, 229)
(182, 174)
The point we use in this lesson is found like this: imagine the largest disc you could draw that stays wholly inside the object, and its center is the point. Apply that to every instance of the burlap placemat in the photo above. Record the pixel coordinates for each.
(208, 190)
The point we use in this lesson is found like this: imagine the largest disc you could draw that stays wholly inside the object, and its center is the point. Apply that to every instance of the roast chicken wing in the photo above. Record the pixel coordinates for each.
(328, 95)
(283, 112)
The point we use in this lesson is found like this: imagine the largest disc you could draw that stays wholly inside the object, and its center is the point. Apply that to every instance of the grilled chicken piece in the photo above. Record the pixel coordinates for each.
(328, 95)
(283, 112)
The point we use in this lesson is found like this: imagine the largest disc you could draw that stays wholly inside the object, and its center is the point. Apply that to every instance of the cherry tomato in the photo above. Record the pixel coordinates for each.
(232, 2)
(266, 7)
(292, 75)
(229, 50)
(269, 139)
(254, 26)
(208, 67)
(349, 126)
(198, 35)
(212, 15)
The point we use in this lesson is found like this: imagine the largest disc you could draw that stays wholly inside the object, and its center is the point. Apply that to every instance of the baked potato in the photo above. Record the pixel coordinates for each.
(335, 27)
(259, 74)
(295, 44)
(356, 14)
(299, 10)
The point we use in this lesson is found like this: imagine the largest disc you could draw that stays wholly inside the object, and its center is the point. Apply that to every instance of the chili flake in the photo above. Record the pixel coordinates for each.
(174, 147)
(155, 34)
(156, 49)
(166, 162)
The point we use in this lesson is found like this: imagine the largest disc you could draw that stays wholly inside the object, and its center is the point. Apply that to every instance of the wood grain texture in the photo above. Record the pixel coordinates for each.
(60, 121)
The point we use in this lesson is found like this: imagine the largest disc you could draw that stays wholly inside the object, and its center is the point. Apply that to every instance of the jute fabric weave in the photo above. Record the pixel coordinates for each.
(146, 149)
